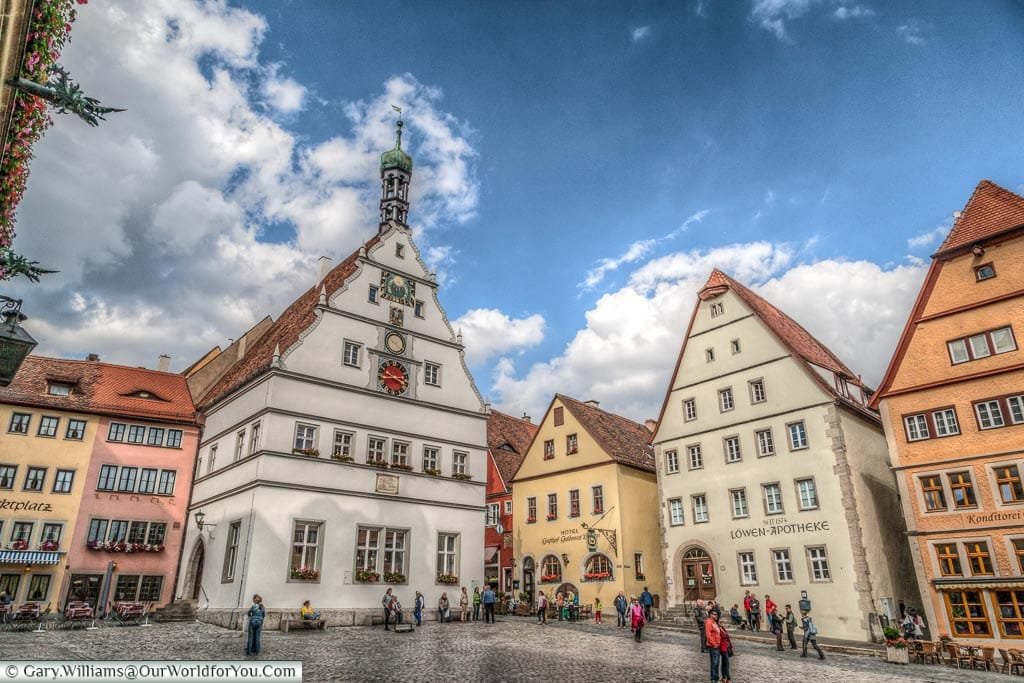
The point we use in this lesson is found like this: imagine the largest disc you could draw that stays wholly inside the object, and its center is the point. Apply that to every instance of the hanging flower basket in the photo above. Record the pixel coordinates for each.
(448, 579)
(305, 574)
(366, 576)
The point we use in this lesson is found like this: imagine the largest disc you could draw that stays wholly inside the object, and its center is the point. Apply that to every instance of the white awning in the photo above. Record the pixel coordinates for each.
(29, 557)
(490, 554)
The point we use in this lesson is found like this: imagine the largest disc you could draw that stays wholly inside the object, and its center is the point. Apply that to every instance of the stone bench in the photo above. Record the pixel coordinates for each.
(303, 624)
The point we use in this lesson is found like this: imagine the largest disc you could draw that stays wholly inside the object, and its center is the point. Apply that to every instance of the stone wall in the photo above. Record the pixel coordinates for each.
(235, 618)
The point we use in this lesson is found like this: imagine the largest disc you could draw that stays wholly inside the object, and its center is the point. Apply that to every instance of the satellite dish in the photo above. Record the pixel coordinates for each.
(499, 528)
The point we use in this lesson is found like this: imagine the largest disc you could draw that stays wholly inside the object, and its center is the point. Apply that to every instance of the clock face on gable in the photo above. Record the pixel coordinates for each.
(397, 288)
(393, 377)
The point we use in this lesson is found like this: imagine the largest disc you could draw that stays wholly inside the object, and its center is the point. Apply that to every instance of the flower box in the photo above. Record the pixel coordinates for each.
(448, 579)
(531, 520)
(551, 518)
(401, 466)
(431, 471)
(305, 574)
(20, 544)
(311, 452)
(597, 576)
(394, 577)
(550, 578)
(48, 546)
(366, 576)
(122, 547)
(462, 477)
(341, 458)
(378, 463)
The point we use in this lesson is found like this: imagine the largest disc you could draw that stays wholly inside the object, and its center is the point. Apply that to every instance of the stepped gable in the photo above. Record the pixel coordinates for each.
(30, 384)
(285, 331)
(624, 440)
(990, 211)
(505, 432)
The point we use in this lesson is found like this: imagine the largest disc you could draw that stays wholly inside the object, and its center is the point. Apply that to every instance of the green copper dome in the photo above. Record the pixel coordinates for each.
(396, 158)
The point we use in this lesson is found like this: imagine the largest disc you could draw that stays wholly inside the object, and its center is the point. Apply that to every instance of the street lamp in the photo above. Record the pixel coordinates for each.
(15, 342)
(201, 521)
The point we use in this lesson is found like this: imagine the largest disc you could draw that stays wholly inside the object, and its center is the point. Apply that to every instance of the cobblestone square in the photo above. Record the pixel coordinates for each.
(514, 649)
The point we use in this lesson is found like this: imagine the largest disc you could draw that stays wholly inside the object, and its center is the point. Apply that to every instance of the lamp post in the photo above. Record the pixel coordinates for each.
(201, 524)
(15, 342)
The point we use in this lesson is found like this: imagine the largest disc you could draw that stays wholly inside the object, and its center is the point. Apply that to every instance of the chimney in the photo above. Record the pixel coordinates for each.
(163, 363)
(325, 267)
(592, 402)
(241, 346)
(652, 425)
(527, 418)
(94, 357)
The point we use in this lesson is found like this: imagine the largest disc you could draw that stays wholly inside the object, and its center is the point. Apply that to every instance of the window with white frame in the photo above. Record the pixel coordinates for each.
(689, 409)
(375, 448)
(552, 506)
(765, 443)
(725, 402)
(367, 549)
(21, 531)
(694, 456)
(48, 425)
(572, 444)
(305, 546)
(819, 563)
(1016, 409)
(675, 511)
(52, 532)
(58, 389)
(7, 476)
(783, 565)
(757, 392)
(305, 437)
(797, 435)
(231, 552)
(739, 503)
(430, 458)
(395, 546)
(254, 437)
(916, 426)
(508, 507)
(75, 430)
(700, 508)
(432, 374)
(342, 444)
(400, 454)
(748, 569)
(945, 422)
(772, 494)
(574, 502)
(239, 445)
(671, 461)
(460, 463)
(351, 353)
(492, 515)
(531, 510)
(990, 414)
(549, 449)
(19, 423)
(447, 554)
(732, 449)
(213, 459)
(63, 481)
(597, 493)
(981, 345)
(807, 494)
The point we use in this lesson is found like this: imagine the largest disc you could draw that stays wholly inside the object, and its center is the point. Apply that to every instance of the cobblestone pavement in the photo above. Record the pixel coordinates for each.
(514, 649)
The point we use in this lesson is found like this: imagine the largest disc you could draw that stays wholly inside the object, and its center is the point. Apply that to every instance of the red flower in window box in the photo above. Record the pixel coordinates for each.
(48, 545)
(531, 520)
(20, 544)
(550, 578)
(597, 576)
(552, 517)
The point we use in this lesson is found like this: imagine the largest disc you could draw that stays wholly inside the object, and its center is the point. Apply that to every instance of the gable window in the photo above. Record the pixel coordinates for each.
(934, 494)
(231, 552)
(949, 559)
(552, 506)
(549, 449)
(735, 346)
(531, 510)
(75, 430)
(48, 426)
(772, 499)
(399, 250)
(765, 443)
(675, 511)
(917, 427)
(19, 423)
(351, 353)
(671, 461)
(807, 494)
(598, 494)
(34, 478)
(748, 569)
(739, 503)
(1010, 488)
(432, 374)
(574, 503)
(978, 558)
(689, 410)
(725, 402)
(783, 565)
(694, 457)
(717, 309)
(757, 392)
(709, 355)
(559, 416)
(7, 475)
(985, 271)
(305, 437)
(963, 489)
(430, 459)
(819, 564)
(418, 309)
(732, 449)
(372, 294)
(572, 444)
(305, 550)
(981, 345)
(700, 508)
(62, 482)
(797, 436)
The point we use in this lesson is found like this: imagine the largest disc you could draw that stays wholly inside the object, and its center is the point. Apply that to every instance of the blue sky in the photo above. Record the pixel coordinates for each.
(581, 167)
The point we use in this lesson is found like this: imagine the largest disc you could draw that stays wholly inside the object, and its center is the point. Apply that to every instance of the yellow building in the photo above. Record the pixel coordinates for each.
(585, 507)
(45, 447)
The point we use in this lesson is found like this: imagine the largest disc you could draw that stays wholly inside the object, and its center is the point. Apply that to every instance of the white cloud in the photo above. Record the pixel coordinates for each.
(487, 332)
(640, 32)
(196, 209)
(911, 32)
(844, 12)
(772, 15)
(929, 237)
(624, 355)
(701, 8)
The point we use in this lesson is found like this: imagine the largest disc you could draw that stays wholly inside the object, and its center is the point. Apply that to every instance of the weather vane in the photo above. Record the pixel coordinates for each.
(399, 110)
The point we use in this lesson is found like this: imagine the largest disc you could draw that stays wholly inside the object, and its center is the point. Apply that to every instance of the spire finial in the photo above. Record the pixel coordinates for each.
(398, 126)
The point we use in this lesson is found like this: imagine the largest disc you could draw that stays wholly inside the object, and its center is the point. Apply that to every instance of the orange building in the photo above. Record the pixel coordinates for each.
(952, 403)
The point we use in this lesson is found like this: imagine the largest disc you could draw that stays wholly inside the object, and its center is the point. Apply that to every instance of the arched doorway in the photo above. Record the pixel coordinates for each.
(194, 575)
(528, 582)
(698, 575)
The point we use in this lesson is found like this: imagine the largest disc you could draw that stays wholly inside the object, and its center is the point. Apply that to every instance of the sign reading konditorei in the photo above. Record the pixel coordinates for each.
(779, 527)
(996, 517)
(16, 505)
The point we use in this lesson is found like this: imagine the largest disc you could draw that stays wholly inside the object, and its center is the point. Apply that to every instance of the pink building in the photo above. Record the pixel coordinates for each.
(127, 541)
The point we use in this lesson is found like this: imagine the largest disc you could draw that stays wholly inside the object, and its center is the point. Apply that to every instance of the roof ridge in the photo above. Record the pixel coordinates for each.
(990, 210)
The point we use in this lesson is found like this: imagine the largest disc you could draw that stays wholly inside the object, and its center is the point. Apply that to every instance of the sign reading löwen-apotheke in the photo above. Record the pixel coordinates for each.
(780, 527)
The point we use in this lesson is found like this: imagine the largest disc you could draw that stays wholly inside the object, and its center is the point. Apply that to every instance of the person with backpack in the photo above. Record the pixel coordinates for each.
(620, 608)
(790, 626)
(542, 608)
(255, 626)
(810, 634)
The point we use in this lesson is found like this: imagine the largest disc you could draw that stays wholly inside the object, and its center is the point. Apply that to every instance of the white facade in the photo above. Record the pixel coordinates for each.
(285, 502)
(790, 491)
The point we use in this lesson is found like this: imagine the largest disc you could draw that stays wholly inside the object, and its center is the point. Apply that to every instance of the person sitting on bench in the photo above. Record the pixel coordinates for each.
(308, 613)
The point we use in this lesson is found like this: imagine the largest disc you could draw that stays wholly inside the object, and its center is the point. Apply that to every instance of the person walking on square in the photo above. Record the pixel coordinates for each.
(746, 609)
(444, 609)
(476, 603)
(464, 605)
(713, 635)
(700, 615)
(790, 621)
(597, 610)
(385, 602)
(559, 602)
(647, 600)
(542, 608)
(620, 608)
(570, 605)
(769, 604)
(417, 608)
(755, 613)
(775, 626)
(725, 650)
(255, 626)
(637, 618)
(810, 634)
(489, 599)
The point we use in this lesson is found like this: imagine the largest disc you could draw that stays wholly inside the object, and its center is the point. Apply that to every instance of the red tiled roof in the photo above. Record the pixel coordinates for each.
(624, 440)
(505, 432)
(101, 388)
(990, 210)
(285, 330)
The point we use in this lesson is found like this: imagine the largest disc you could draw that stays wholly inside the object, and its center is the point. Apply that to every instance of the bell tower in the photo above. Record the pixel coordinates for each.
(395, 174)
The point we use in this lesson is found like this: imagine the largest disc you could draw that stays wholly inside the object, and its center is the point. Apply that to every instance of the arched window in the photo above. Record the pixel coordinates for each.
(550, 569)
(599, 568)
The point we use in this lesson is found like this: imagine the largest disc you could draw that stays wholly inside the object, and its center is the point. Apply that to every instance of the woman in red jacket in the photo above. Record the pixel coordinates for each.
(713, 636)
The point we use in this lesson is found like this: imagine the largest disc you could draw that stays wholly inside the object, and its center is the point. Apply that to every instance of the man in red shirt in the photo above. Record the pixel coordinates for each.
(769, 606)
(746, 609)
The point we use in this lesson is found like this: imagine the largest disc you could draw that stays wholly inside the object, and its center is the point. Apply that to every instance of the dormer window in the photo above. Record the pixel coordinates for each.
(986, 271)
(58, 389)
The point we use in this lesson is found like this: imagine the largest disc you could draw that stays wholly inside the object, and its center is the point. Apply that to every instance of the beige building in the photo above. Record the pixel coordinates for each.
(585, 508)
(773, 473)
